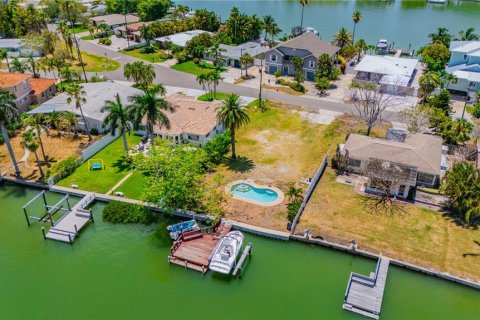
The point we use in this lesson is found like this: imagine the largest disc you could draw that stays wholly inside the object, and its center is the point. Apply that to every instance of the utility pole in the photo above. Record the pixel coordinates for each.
(126, 23)
(260, 70)
(241, 69)
(76, 43)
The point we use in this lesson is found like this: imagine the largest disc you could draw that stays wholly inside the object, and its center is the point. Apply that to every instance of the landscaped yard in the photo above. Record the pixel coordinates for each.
(193, 68)
(103, 180)
(79, 28)
(157, 56)
(88, 37)
(94, 63)
(134, 186)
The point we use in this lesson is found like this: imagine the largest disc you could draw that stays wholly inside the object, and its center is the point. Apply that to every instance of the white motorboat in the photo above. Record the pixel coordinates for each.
(225, 254)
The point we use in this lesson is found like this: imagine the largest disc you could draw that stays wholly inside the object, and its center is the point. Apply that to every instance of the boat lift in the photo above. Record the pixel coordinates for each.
(50, 211)
(239, 265)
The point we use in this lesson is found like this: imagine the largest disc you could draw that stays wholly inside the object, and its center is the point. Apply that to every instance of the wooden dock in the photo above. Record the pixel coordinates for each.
(67, 228)
(193, 250)
(364, 294)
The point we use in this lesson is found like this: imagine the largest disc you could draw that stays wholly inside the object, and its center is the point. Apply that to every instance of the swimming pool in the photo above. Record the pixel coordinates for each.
(257, 194)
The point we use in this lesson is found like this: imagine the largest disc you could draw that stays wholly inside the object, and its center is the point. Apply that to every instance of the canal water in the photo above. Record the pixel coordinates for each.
(121, 271)
(404, 22)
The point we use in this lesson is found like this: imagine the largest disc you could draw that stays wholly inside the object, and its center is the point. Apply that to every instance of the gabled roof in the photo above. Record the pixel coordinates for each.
(10, 79)
(419, 150)
(190, 116)
(115, 19)
(309, 42)
(235, 52)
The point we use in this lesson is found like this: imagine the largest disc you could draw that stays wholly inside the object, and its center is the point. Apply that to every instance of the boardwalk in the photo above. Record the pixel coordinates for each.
(67, 228)
(193, 249)
(364, 295)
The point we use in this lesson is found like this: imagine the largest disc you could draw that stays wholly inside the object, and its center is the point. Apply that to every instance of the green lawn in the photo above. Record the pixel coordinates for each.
(218, 96)
(102, 180)
(134, 186)
(193, 68)
(89, 37)
(94, 63)
(79, 28)
(157, 56)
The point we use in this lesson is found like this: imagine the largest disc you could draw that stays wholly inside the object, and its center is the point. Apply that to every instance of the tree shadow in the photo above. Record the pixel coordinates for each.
(121, 164)
(472, 254)
(458, 219)
(240, 164)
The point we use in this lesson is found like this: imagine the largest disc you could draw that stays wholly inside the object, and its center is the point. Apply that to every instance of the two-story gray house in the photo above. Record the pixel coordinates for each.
(307, 46)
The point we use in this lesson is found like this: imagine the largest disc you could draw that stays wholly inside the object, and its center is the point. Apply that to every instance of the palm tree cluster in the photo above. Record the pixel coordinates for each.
(240, 27)
(271, 27)
(209, 82)
(139, 72)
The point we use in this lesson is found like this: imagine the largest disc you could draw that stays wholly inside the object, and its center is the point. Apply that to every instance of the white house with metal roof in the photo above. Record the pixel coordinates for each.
(96, 95)
(180, 39)
(15, 48)
(394, 75)
(465, 65)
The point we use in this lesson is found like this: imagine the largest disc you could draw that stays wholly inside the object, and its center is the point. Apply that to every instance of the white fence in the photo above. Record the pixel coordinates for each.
(99, 145)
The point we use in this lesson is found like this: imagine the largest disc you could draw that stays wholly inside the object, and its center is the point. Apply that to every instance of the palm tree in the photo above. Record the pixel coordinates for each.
(356, 17)
(215, 78)
(76, 93)
(467, 35)
(428, 82)
(139, 72)
(18, 66)
(30, 142)
(150, 105)
(442, 36)
(4, 56)
(146, 33)
(68, 121)
(117, 118)
(342, 38)
(303, 3)
(362, 46)
(37, 121)
(294, 194)
(233, 116)
(246, 60)
(66, 35)
(8, 113)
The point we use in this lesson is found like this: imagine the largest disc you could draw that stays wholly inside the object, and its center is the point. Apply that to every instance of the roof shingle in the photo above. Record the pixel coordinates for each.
(10, 79)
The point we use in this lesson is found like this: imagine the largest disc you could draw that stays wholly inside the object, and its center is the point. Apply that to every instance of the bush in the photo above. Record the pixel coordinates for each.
(94, 132)
(297, 87)
(196, 60)
(65, 167)
(105, 41)
(292, 208)
(121, 212)
(218, 147)
(149, 49)
(282, 82)
(135, 46)
(476, 110)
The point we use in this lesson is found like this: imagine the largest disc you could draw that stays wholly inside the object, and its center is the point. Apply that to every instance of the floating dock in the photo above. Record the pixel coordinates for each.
(364, 294)
(193, 250)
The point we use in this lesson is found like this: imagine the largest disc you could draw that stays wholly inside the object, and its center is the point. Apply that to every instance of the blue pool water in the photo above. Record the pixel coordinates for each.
(247, 191)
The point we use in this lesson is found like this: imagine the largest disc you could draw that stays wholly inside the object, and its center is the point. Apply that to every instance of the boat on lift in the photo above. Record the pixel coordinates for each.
(226, 251)
(176, 230)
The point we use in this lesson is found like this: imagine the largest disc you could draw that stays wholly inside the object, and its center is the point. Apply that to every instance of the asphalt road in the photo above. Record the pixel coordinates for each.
(171, 77)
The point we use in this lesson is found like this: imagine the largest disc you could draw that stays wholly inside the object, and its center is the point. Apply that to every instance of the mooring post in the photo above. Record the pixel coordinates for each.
(91, 215)
(43, 232)
(70, 238)
(68, 203)
(76, 230)
(45, 203)
(51, 218)
(26, 216)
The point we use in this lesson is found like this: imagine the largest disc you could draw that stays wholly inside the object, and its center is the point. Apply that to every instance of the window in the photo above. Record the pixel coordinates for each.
(354, 163)
(424, 178)
(193, 137)
(311, 64)
(465, 57)
(273, 57)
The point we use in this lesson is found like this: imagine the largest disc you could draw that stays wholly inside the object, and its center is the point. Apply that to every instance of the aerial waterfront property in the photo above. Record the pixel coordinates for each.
(239, 159)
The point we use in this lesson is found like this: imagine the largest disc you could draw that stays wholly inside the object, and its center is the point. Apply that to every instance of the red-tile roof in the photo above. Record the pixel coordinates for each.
(40, 85)
(8, 79)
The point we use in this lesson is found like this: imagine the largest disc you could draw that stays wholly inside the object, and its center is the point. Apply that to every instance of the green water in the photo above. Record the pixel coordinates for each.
(119, 271)
(403, 22)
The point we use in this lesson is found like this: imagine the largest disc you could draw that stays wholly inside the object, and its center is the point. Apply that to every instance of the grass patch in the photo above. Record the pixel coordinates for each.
(103, 180)
(134, 186)
(157, 56)
(79, 28)
(94, 63)
(193, 68)
(217, 96)
(89, 37)
(282, 89)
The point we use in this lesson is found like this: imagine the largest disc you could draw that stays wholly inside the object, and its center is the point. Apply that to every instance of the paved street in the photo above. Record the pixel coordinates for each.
(171, 77)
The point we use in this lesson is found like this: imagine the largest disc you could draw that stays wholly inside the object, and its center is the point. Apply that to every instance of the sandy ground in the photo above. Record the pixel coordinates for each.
(56, 148)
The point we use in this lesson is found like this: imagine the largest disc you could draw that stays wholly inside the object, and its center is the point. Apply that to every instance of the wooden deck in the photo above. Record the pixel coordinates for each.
(193, 249)
(364, 294)
(67, 228)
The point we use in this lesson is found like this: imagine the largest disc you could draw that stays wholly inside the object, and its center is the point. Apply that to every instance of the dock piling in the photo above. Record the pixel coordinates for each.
(43, 232)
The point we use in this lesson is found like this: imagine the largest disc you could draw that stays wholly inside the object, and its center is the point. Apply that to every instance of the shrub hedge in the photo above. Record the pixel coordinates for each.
(121, 212)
